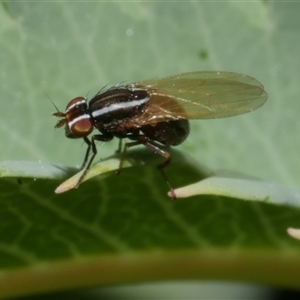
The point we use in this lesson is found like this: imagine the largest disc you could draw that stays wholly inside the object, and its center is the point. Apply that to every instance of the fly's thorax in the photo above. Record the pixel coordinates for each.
(117, 104)
(78, 121)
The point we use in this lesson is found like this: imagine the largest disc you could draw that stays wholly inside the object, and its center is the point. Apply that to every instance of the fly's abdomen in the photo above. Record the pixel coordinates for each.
(169, 133)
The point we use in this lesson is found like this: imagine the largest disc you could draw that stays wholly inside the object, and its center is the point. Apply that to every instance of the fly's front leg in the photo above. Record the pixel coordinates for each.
(87, 153)
(91, 146)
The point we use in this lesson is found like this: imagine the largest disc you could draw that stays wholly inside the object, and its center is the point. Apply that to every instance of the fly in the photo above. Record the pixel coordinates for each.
(156, 112)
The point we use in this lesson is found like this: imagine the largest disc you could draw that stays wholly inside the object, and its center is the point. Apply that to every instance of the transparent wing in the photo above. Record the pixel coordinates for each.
(201, 95)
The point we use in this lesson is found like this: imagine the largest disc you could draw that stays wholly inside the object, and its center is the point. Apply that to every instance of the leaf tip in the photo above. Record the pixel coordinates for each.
(65, 186)
(60, 189)
(294, 233)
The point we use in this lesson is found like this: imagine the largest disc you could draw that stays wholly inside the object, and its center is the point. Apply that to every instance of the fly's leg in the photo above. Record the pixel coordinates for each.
(119, 150)
(87, 153)
(157, 150)
(91, 147)
(126, 146)
(142, 139)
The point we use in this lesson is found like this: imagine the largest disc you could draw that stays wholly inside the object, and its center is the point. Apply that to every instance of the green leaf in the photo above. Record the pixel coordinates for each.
(127, 223)
(120, 229)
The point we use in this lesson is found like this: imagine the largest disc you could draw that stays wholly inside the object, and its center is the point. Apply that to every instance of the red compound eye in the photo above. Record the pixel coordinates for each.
(77, 119)
(81, 126)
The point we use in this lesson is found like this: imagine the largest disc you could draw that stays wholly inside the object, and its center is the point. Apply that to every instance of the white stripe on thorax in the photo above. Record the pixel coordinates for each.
(117, 106)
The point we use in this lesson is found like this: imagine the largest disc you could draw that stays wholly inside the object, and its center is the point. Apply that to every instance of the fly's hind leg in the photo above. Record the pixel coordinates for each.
(142, 139)
(165, 154)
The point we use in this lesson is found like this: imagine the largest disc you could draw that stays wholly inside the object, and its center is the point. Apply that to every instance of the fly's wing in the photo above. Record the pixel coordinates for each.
(201, 95)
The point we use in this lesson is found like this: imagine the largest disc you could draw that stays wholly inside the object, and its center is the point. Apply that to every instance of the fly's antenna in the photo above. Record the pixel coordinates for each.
(58, 111)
